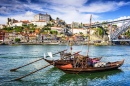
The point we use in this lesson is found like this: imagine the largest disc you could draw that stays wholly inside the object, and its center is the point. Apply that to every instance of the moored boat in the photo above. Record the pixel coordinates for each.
(65, 62)
(69, 68)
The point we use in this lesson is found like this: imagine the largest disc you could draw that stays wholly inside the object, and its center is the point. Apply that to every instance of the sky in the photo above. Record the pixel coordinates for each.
(67, 10)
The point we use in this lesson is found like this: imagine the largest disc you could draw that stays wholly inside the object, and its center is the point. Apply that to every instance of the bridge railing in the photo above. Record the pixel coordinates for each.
(115, 34)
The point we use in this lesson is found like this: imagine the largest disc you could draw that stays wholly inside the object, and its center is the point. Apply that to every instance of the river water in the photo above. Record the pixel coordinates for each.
(18, 55)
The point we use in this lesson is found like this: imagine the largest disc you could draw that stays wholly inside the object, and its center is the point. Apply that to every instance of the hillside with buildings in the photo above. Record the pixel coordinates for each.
(44, 29)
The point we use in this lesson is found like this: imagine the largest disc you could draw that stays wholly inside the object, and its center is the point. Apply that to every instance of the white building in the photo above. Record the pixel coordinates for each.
(42, 17)
(20, 23)
(17, 24)
(59, 29)
(79, 30)
(2, 26)
(40, 24)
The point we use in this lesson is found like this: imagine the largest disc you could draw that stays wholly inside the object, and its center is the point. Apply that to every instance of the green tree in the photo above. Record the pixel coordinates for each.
(17, 40)
(32, 27)
(9, 29)
(46, 28)
(127, 33)
(53, 32)
(18, 29)
(81, 33)
(100, 31)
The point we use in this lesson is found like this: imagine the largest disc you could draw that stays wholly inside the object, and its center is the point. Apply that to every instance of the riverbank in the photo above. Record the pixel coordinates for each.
(57, 43)
(49, 42)
(66, 43)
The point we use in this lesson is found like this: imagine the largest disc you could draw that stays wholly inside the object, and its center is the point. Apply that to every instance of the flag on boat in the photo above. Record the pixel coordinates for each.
(50, 54)
(44, 55)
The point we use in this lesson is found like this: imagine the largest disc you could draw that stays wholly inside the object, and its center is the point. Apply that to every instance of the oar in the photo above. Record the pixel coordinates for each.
(31, 73)
(33, 62)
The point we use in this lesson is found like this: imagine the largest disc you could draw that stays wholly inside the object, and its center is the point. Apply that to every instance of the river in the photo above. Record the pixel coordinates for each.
(18, 55)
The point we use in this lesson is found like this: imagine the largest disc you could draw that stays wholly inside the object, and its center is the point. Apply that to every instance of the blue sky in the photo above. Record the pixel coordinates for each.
(68, 10)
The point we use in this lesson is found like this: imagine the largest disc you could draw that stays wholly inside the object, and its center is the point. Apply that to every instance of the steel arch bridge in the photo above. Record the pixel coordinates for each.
(118, 31)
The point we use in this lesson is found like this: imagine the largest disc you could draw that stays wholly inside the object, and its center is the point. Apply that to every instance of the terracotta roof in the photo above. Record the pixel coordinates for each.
(32, 35)
(39, 21)
(25, 21)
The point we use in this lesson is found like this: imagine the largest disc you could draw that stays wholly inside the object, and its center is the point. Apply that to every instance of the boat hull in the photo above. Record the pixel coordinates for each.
(113, 65)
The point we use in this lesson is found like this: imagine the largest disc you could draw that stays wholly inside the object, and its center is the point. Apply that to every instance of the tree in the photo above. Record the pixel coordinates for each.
(81, 33)
(53, 32)
(17, 40)
(127, 33)
(81, 25)
(18, 29)
(46, 28)
(100, 31)
(9, 29)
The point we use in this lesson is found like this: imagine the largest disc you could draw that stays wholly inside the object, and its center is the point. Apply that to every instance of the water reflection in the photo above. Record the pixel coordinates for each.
(88, 76)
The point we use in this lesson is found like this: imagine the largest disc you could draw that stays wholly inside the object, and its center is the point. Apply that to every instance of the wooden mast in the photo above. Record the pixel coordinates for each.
(71, 39)
(88, 33)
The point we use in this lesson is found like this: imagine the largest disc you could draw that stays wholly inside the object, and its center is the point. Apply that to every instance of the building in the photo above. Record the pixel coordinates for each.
(39, 24)
(2, 26)
(2, 35)
(21, 23)
(79, 30)
(58, 29)
(42, 17)
(11, 21)
(75, 25)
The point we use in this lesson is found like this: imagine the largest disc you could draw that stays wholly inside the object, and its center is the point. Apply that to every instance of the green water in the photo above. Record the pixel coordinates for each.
(15, 56)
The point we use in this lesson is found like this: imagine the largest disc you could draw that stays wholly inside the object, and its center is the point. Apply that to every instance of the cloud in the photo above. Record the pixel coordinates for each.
(67, 2)
(68, 10)
(83, 6)
(82, 11)
(100, 7)
(3, 20)
(122, 17)
(29, 13)
(3, 10)
(26, 16)
(75, 16)
(34, 7)
(121, 3)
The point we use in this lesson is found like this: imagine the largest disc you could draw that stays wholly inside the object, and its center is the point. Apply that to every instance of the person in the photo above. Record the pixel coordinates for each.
(89, 62)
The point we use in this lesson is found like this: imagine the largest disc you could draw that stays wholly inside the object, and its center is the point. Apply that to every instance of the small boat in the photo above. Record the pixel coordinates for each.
(65, 62)
(69, 68)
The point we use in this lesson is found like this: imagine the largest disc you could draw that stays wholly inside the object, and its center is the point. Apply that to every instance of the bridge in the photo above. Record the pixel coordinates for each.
(118, 31)
(122, 40)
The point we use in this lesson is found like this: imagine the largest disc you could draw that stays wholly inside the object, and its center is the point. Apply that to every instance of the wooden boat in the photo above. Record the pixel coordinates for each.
(65, 62)
(69, 68)
(66, 58)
